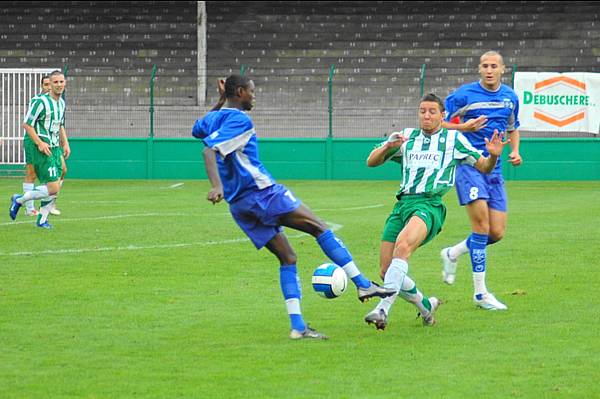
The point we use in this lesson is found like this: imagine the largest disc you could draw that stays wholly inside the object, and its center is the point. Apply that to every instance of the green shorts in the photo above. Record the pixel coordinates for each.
(48, 168)
(30, 150)
(430, 209)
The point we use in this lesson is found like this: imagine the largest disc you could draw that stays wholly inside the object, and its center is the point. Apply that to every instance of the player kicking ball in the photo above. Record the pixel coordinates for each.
(428, 158)
(259, 205)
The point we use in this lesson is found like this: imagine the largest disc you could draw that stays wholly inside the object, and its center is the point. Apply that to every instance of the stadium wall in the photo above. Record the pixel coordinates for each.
(341, 159)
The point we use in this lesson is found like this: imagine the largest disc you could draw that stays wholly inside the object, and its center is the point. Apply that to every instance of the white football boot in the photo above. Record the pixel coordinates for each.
(377, 317)
(449, 271)
(308, 333)
(489, 302)
(428, 320)
(54, 211)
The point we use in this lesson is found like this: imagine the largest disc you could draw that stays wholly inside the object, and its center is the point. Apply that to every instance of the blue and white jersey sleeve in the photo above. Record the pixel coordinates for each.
(232, 135)
(200, 129)
(454, 105)
(513, 120)
(232, 131)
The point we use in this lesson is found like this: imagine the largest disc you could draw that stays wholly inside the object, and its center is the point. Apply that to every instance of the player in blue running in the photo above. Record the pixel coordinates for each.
(259, 205)
(482, 107)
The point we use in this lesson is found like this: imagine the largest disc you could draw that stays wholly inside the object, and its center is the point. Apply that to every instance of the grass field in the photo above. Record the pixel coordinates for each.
(144, 289)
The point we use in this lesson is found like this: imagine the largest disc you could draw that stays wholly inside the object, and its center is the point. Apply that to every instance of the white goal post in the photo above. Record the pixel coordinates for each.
(17, 87)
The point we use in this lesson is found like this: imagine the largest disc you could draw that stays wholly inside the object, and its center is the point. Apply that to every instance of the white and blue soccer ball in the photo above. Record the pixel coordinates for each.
(329, 280)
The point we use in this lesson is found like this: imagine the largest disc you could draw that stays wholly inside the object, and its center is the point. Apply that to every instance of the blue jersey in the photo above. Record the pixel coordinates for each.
(230, 133)
(501, 107)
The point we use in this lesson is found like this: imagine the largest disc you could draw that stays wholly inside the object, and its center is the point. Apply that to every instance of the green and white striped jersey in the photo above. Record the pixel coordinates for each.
(31, 101)
(429, 162)
(46, 116)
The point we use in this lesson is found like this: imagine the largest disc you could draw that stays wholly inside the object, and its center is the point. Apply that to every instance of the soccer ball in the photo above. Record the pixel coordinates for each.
(329, 280)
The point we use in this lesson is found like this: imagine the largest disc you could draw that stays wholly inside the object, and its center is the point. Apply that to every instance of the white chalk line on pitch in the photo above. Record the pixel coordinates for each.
(134, 215)
(333, 226)
(176, 185)
(158, 214)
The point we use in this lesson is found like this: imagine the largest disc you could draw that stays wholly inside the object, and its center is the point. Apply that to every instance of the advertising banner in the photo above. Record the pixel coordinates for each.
(567, 102)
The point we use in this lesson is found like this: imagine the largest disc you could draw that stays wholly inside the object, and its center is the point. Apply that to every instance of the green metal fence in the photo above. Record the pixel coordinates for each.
(330, 102)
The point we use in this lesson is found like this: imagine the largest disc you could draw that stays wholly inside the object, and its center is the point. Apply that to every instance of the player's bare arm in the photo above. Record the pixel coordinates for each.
(515, 140)
(215, 194)
(472, 125)
(495, 146)
(64, 143)
(41, 145)
(377, 156)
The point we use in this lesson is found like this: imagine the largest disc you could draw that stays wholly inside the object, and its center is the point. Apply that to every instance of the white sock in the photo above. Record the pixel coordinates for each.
(40, 192)
(386, 303)
(479, 283)
(351, 269)
(399, 280)
(47, 204)
(293, 306)
(459, 249)
(29, 205)
(393, 279)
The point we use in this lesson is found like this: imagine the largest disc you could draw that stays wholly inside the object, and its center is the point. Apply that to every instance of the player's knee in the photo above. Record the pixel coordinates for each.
(480, 226)
(288, 258)
(316, 227)
(29, 178)
(53, 189)
(402, 249)
(30, 175)
(496, 234)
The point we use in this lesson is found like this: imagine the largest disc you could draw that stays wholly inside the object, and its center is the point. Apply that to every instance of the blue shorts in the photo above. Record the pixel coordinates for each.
(472, 185)
(258, 212)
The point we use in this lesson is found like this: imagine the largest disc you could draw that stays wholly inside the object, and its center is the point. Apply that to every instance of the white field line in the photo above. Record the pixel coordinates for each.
(110, 217)
(94, 202)
(333, 227)
(176, 185)
(158, 214)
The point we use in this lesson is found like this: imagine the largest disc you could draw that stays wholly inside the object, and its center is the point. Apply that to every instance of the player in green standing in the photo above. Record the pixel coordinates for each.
(428, 157)
(44, 124)
(30, 148)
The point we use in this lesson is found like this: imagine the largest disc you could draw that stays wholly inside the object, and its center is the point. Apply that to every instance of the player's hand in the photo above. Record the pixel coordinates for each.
(495, 146)
(221, 86)
(515, 158)
(66, 151)
(215, 195)
(395, 139)
(44, 148)
(473, 125)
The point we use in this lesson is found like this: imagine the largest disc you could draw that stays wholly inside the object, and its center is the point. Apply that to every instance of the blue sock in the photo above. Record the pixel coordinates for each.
(290, 287)
(489, 241)
(477, 244)
(335, 250)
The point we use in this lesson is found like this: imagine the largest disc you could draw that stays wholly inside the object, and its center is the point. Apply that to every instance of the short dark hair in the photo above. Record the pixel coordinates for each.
(233, 82)
(44, 77)
(434, 99)
(56, 72)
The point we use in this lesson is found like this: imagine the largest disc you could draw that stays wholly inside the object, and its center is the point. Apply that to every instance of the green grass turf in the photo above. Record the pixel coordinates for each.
(142, 290)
